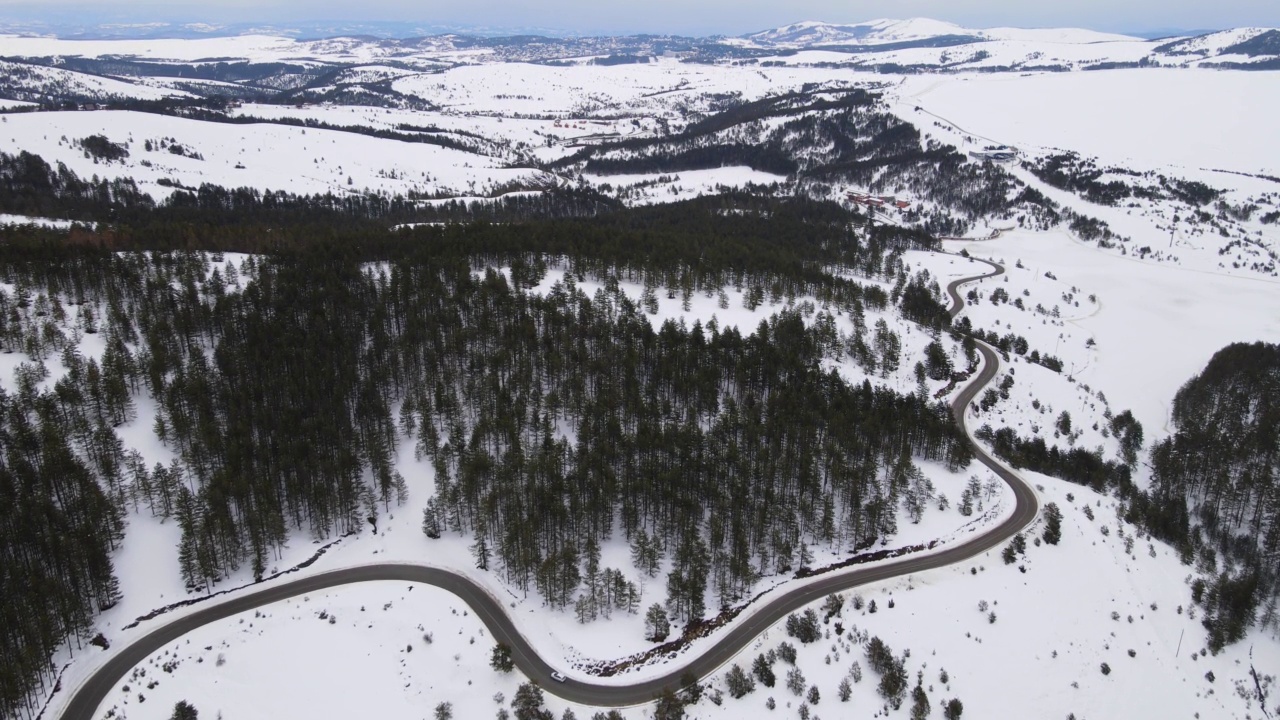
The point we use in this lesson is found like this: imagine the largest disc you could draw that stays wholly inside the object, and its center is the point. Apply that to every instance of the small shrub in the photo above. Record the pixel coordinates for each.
(787, 652)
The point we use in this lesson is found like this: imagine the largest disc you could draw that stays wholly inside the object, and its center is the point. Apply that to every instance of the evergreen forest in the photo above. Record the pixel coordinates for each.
(285, 384)
(1216, 487)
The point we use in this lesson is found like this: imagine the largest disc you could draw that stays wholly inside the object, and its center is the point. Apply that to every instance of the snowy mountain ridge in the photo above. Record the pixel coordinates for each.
(812, 34)
(916, 45)
(816, 34)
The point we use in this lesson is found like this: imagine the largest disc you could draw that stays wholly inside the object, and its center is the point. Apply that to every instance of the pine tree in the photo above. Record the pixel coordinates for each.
(738, 682)
(528, 703)
(1052, 524)
(669, 706)
(431, 520)
(500, 658)
(656, 625)
(920, 707)
(763, 670)
(795, 681)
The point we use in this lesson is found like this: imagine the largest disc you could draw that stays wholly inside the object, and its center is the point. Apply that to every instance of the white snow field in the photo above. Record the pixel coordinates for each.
(1156, 325)
(264, 156)
(6, 219)
(1151, 131)
(1153, 117)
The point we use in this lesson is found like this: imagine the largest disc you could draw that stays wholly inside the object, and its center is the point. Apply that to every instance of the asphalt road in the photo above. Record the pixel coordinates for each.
(90, 694)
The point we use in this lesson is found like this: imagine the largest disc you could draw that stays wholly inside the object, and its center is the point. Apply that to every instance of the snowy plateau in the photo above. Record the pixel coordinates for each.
(1161, 164)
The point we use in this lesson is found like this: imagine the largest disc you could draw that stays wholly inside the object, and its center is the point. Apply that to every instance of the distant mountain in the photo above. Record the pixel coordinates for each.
(807, 34)
(915, 45)
(898, 32)
(923, 45)
(1250, 42)
(71, 29)
(1169, 33)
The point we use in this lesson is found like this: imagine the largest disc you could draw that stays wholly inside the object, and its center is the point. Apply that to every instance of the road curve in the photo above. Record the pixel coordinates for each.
(90, 694)
(957, 303)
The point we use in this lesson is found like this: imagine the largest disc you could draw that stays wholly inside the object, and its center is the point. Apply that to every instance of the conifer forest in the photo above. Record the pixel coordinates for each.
(284, 385)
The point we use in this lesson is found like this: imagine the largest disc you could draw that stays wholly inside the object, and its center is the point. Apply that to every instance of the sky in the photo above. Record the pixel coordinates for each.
(690, 17)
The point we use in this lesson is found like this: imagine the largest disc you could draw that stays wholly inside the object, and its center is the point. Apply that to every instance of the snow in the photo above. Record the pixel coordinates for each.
(873, 32)
(673, 187)
(1142, 312)
(6, 219)
(261, 48)
(1213, 43)
(277, 157)
(1157, 324)
(1040, 658)
(103, 88)
(147, 563)
(1053, 628)
(285, 660)
(1055, 35)
(1187, 117)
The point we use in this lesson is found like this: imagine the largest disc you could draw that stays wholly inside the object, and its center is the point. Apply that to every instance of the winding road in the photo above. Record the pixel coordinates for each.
(89, 695)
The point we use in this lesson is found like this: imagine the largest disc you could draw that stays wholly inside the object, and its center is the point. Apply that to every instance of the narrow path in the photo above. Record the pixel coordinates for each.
(89, 695)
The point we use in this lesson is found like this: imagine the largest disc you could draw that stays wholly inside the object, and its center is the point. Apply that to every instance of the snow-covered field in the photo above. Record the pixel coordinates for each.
(1156, 324)
(1150, 117)
(263, 156)
(6, 219)
(1151, 132)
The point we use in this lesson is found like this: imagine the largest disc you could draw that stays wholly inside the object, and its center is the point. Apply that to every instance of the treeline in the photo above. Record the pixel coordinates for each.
(1077, 465)
(827, 146)
(763, 159)
(30, 186)
(1215, 486)
(1070, 172)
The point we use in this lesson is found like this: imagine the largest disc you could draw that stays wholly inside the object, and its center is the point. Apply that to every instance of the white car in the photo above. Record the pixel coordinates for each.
(558, 676)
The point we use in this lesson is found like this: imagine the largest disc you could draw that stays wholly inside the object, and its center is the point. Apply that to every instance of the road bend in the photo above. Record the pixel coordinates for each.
(90, 694)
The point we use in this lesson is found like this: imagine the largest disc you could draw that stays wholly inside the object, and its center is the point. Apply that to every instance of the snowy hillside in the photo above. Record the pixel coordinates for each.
(921, 44)
(1100, 626)
(925, 45)
(167, 153)
(891, 32)
(874, 32)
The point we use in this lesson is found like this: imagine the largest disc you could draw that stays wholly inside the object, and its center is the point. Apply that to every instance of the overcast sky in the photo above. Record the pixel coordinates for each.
(728, 17)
